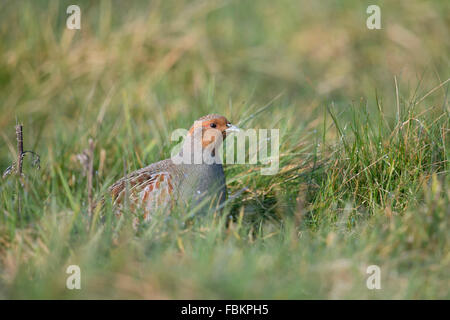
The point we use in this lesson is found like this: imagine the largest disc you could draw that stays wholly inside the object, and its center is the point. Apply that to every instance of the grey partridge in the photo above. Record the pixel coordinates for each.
(193, 177)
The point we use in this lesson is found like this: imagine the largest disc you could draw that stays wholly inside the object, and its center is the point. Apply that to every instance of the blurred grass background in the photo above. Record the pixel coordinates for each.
(363, 170)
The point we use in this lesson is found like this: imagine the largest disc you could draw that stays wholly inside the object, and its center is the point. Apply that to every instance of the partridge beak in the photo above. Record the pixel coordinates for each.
(231, 128)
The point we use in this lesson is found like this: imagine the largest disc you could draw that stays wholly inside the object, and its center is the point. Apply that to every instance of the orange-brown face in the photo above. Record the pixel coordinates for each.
(212, 125)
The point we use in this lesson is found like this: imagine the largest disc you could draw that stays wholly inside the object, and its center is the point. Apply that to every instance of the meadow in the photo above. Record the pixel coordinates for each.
(364, 148)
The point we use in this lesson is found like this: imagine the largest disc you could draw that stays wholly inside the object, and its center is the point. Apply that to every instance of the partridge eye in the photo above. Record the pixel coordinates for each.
(213, 125)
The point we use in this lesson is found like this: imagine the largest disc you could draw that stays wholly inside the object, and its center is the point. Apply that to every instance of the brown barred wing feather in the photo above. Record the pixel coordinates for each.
(146, 189)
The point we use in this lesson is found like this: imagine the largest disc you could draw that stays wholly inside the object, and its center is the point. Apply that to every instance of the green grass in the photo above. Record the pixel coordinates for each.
(363, 118)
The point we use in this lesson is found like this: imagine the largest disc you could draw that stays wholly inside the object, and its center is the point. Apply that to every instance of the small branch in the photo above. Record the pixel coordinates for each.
(17, 167)
(12, 168)
(19, 135)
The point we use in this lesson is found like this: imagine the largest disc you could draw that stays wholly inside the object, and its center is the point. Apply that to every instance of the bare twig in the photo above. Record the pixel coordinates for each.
(12, 168)
(17, 167)
(8, 171)
(19, 135)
